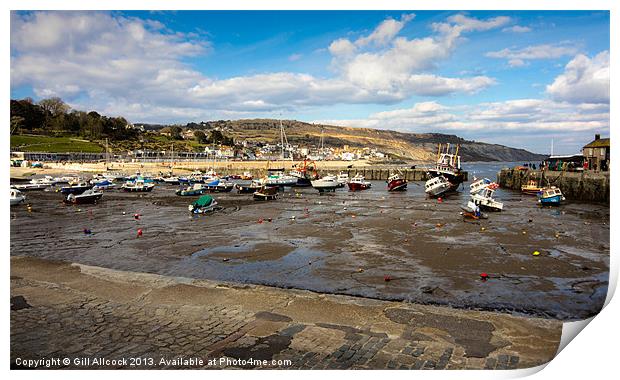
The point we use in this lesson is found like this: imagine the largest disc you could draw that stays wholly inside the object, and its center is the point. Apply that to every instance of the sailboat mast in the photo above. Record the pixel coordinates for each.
(281, 138)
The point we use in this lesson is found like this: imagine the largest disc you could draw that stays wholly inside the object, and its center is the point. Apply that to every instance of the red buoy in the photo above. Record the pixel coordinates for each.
(139, 232)
(484, 276)
(387, 278)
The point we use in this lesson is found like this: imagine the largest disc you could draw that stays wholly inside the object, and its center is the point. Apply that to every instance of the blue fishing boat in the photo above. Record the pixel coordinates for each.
(550, 196)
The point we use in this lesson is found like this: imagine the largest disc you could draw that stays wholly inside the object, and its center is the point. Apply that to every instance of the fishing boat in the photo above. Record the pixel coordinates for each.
(103, 185)
(531, 188)
(550, 196)
(247, 189)
(484, 199)
(17, 197)
(437, 186)
(358, 183)
(448, 165)
(266, 193)
(138, 185)
(219, 186)
(396, 183)
(77, 188)
(88, 196)
(171, 180)
(478, 185)
(327, 183)
(203, 205)
(305, 173)
(194, 189)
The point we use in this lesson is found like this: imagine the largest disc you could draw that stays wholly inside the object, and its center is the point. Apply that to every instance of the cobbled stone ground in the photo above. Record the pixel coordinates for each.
(60, 310)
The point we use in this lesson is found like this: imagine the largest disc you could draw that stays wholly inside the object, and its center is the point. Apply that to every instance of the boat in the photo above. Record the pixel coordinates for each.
(103, 185)
(305, 174)
(278, 178)
(437, 186)
(32, 186)
(478, 184)
(219, 186)
(194, 177)
(138, 185)
(247, 189)
(246, 176)
(77, 188)
(550, 196)
(531, 188)
(47, 180)
(358, 183)
(171, 180)
(448, 165)
(484, 199)
(17, 197)
(396, 183)
(266, 193)
(472, 211)
(343, 179)
(327, 183)
(88, 196)
(203, 205)
(194, 189)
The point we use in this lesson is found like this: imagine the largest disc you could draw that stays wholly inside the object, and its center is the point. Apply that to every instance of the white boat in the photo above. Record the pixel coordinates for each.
(484, 199)
(437, 186)
(17, 197)
(171, 180)
(448, 165)
(88, 196)
(478, 185)
(327, 183)
(47, 180)
(343, 179)
(32, 186)
(279, 179)
(139, 185)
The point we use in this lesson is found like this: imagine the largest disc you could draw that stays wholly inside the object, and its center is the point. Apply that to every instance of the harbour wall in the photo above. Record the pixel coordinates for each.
(582, 186)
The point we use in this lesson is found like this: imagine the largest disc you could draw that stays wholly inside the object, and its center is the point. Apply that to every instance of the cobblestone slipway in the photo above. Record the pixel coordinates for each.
(60, 310)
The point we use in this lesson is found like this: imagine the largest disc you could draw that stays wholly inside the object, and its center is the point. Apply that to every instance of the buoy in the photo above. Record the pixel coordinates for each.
(438, 225)
(536, 253)
(136, 216)
(139, 232)
(225, 259)
(360, 270)
(260, 220)
(557, 236)
(292, 216)
(484, 276)
(124, 213)
(87, 231)
(483, 229)
(406, 240)
(387, 278)
(440, 199)
(353, 216)
(524, 232)
(269, 220)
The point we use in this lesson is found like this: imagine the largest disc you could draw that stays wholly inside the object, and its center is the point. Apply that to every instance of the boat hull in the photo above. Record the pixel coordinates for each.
(75, 190)
(355, 186)
(85, 200)
(397, 185)
(247, 189)
(145, 189)
(556, 200)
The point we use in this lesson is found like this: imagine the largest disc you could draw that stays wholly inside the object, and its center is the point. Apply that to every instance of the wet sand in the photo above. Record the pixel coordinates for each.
(344, 243)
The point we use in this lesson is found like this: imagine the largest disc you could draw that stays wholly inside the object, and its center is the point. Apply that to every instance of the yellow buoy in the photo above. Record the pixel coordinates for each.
(535, 253)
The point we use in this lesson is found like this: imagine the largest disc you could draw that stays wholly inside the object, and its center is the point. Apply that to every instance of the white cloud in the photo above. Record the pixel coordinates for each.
(294, 57)
(517, 29)
(518, 57)
(584, 80)
(95, 59)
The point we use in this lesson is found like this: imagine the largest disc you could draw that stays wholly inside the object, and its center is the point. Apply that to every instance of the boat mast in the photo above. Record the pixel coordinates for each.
(107, 154)
(281, 138)
(171, 157)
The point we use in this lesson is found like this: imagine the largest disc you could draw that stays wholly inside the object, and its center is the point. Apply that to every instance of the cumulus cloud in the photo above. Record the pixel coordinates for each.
(518, 57)
(95, 59)
(584, 80)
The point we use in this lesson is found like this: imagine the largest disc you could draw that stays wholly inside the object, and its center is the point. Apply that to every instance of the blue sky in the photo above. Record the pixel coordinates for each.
(518, 78)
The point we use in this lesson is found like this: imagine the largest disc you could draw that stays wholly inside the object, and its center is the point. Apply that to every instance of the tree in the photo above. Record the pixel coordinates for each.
(200, 137)
(175, 132)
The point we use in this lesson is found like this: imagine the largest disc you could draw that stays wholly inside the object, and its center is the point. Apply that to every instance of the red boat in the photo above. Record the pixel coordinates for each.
(396, 183)
(358, 183)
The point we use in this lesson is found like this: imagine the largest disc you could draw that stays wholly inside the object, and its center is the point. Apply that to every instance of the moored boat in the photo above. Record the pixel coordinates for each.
(484, 199)
(266, 193)
(358, 183)
(437, 186)
(138, 185)
(17, 197)
(396, 183)
(478, 185)
(305, 173)
(77, 188)
(448, 165)
(278, 178)
(88, 196)
(472, 211)
(219, 186)
(103, 185)
(194, 189)
(247, 189)
(531, 188)
(343, 179)
(32, 186)
(327, 183)
(202, 205)
(551, 196)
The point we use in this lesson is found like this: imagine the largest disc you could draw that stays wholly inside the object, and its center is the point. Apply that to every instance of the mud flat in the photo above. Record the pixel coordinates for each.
(343, 243)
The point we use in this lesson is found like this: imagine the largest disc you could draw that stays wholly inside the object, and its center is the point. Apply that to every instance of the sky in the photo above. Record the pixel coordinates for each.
(517, 78)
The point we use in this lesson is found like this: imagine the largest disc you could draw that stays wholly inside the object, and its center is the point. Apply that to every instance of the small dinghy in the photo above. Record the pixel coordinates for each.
(88, 196)
(472, 211)
(203, 205)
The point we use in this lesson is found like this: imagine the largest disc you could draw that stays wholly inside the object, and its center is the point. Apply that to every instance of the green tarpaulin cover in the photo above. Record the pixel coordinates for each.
(205, 200)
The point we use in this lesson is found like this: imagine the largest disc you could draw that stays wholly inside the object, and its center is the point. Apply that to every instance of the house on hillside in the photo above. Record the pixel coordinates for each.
(596, 154)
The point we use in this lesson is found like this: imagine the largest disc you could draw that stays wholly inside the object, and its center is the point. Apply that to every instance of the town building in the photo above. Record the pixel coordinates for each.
(596, 154)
